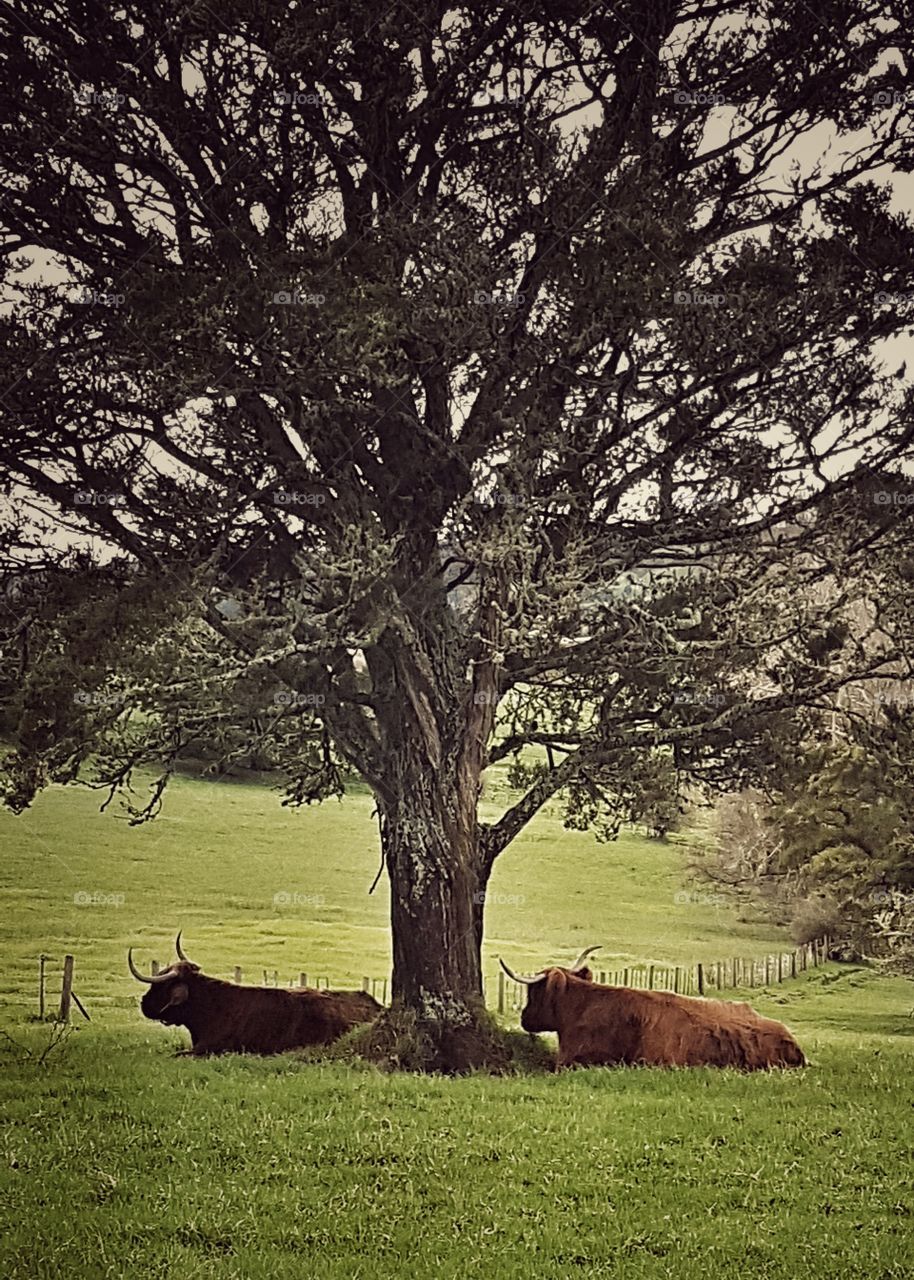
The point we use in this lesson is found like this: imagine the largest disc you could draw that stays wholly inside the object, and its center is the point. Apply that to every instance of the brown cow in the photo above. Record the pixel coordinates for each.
(225, 1018)
(610, 1026)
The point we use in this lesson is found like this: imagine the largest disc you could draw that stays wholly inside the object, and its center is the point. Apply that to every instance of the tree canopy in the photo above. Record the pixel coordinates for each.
(490, 383)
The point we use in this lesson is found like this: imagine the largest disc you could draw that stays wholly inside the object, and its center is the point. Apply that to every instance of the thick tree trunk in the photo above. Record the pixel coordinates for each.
(433, 721)
(437, 880)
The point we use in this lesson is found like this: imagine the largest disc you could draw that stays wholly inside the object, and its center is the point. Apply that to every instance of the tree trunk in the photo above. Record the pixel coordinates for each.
(432, 727)
(431, 850)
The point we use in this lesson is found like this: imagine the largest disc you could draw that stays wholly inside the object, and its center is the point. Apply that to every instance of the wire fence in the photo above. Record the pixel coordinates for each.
(698, 979)
(733, 973)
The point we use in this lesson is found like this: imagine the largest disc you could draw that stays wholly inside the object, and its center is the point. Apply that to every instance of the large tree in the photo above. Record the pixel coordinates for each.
(467, 372)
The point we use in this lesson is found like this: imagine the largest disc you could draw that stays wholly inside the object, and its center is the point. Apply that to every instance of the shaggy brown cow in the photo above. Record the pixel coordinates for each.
(225, 1018)
(610, 1026)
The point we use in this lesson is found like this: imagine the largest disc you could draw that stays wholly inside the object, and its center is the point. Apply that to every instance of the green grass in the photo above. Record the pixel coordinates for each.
(118, 1159)
(215, 861)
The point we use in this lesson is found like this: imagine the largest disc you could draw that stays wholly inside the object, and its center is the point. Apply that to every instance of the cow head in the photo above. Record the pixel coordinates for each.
(544, 991)
(170, 991)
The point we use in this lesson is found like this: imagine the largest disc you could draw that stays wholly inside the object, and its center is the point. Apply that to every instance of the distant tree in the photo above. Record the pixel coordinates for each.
(501, 349)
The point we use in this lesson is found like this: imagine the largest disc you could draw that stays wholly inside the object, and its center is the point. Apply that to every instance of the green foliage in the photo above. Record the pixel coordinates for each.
(842, 823)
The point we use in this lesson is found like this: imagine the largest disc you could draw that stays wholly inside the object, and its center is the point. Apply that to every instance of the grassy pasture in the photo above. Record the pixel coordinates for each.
(118, 1159)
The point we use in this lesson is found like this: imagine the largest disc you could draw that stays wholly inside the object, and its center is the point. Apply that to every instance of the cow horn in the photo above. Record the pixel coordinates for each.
(141, 977)
(517, 977)
(181, 955)
(579, 963)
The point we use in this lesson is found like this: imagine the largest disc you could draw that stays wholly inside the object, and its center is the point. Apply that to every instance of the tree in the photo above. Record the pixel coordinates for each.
(498, 350)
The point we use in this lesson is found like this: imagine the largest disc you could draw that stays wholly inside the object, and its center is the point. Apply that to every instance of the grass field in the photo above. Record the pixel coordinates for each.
(119, 1159)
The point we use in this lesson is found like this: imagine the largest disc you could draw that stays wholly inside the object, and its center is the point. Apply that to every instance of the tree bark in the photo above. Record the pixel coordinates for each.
(433, 849)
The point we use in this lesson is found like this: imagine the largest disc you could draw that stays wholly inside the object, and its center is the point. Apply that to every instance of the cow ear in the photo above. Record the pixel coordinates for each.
(585, 973)
(179, 994)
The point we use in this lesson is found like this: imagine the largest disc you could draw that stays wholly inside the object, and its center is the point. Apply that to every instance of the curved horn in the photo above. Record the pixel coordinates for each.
(579, 963)
(516, 977)
(181, 955)
(141, 977)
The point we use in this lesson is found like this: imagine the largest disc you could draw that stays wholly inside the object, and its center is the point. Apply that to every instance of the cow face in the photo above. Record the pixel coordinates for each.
(540, 1012)
(169, 996)
(167, 999)
(545, 990)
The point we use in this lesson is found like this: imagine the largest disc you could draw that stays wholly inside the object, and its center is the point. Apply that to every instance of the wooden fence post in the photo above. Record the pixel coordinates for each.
(66, 990)
(501, 992)
(237, 972)
(650, 978)
(603, 977)
(302, 979)
(625, 977)
(366, 984)
(793, 964)
(676, 980)
(42, 960)
(701, 980)
(780, 967)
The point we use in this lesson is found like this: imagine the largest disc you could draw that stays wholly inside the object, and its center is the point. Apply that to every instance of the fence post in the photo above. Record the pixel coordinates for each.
(701, 980)
(676, 980)
(42, 960)
(650, 978)
(366, 984)
(384, 992)
(66, 990)
(793, 964)
(501, 992)
(603, 977)
(302, 979)
(780, 967)
(625, 977)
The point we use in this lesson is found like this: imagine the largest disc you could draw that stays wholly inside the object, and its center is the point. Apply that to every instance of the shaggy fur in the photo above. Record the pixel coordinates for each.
(224, 1018)
(608, 1026)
